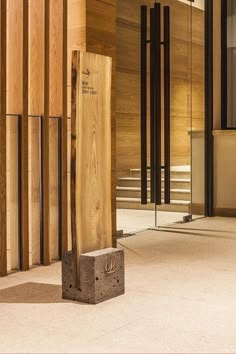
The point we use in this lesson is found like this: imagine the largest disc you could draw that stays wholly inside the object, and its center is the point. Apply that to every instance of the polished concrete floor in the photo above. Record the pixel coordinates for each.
(130, 220)
(180, 298)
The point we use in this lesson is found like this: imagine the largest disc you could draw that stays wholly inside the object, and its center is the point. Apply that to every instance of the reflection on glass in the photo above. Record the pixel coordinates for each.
(231, 63)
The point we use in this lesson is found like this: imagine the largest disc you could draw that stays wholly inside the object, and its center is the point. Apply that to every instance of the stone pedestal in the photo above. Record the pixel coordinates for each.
(101, 276)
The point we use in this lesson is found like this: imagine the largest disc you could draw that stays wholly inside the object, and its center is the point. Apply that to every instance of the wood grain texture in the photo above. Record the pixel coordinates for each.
(91, 154)
(56, 57)
(53, 183)
(76, 37)
(3, 177)
(36, 107)
(36, 57)
(56, 102)
(34, 188)
(101, 39)
(14, 106)
(17, 103)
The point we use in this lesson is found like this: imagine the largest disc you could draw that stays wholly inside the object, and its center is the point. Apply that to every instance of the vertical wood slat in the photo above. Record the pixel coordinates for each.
(64, 186)
(3, 195)
(100, 38)
(24, 261)
(36, 106)
(45, 141)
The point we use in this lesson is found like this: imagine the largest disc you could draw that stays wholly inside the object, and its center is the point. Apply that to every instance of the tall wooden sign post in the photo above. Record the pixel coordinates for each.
(93, 271)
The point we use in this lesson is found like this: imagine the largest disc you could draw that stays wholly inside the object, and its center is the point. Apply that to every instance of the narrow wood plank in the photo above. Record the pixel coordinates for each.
(64, 183)
(45, 140)
(24, 145)
(3, 177)
(101, 39)
(56, 110)
(14, 106)
(36, 107)
(91, 153)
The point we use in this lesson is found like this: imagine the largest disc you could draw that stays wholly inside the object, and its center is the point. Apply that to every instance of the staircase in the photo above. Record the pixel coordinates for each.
(128, 191)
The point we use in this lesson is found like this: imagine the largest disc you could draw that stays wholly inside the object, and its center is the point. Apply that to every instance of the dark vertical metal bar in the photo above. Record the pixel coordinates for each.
(152, 107)
(157, 98)
(59, 188)
(224, 71)
(167, 101)
(24, 140)
(41, 186)
(19, 193)
(209, 152)
(143, 104)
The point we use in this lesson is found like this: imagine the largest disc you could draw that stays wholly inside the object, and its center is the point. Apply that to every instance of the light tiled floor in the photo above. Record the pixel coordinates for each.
(180, 297)
(130, 220)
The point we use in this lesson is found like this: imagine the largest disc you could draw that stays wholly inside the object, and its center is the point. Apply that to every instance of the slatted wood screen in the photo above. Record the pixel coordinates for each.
(36, 41)
(33, 133)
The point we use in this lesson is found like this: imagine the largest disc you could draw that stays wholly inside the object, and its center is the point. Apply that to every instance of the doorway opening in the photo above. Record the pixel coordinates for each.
(183, 160)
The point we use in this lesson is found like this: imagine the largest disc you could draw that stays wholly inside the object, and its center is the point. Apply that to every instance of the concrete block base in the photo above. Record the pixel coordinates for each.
(101, 276)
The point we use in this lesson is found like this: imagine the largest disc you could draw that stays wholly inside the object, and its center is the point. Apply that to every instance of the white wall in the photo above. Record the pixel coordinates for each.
(197, 3)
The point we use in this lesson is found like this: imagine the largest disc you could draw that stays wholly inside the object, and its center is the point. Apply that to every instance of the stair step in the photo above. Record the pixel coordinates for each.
(134, 203)
(175, 171)
(135, 192)
(175, 183)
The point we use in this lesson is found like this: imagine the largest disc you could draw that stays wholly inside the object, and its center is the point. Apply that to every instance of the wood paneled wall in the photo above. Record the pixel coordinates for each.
(33, 87)
(128, 81)
(3, 162)
(41, 35)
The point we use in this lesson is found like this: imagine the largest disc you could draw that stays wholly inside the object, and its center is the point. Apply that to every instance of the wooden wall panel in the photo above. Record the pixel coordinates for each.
(34, 188)
(36, 56)
(76, 36)
(14, 106)
(3, 177)
(36, 107)
(17, 103)
(101, 39)
(53, 160)
(56, 101)
(12, 193)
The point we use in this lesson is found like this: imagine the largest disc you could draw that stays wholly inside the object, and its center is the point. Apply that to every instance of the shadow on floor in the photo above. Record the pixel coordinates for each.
(32, 293)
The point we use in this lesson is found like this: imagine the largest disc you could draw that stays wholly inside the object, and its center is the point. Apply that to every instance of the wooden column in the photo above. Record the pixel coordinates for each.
(24, 261)
(45, 140)
(3, 191)
(64, 186)
(101, 39)
(36, 107)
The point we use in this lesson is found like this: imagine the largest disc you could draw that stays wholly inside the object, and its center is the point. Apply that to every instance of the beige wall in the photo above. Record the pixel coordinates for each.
(199, 4)
(225, 173)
